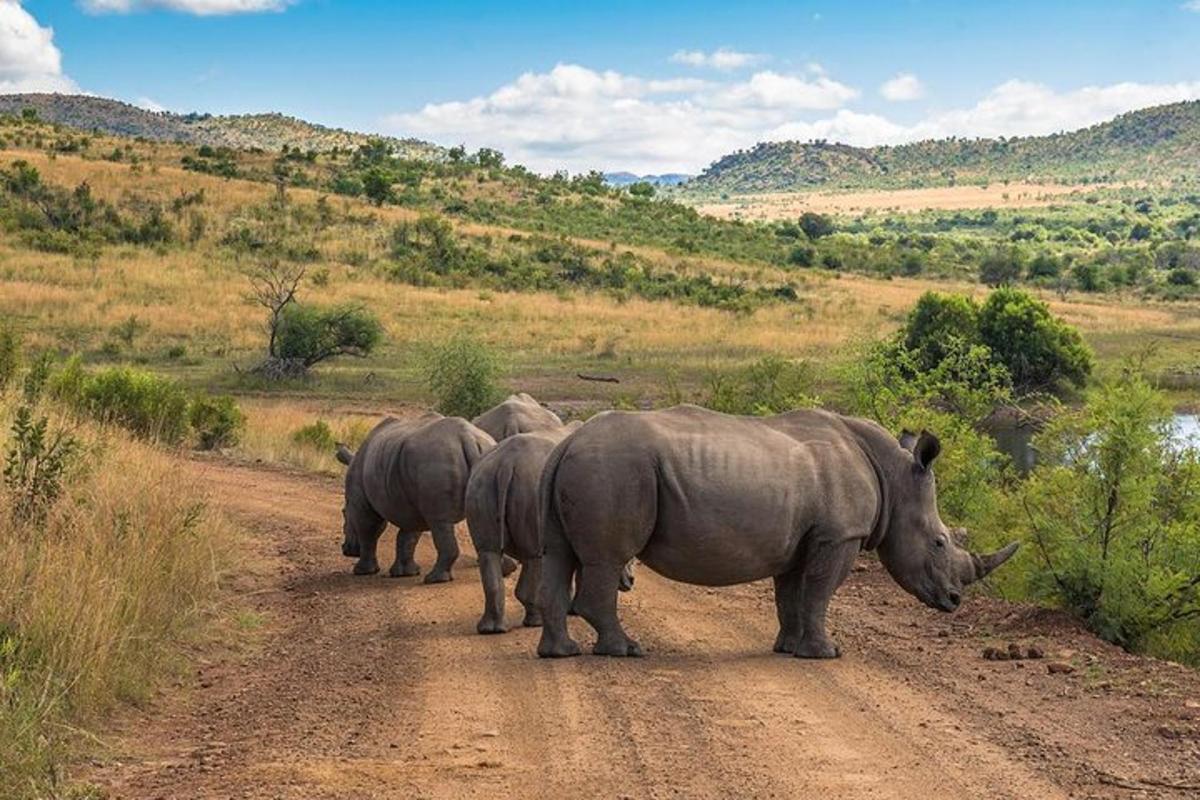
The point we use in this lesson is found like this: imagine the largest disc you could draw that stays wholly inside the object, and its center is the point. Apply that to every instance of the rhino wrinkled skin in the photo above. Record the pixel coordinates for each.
(712, 499)
(412, 473)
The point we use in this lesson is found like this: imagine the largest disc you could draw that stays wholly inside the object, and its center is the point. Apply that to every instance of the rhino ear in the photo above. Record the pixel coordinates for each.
(907, 439)
(926, 449)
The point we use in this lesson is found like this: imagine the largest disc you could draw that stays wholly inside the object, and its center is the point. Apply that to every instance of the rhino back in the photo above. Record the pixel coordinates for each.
(704, 497)
(434, 466)
(502, 494)
(520, 413)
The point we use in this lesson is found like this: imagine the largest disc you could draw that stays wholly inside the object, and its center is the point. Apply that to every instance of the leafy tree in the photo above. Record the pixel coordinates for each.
(1000, 268)
(309, 335)
(377, 186)
(488, 158)
(1040, 351)
(642, 189)
(1112, 516)
(939, 323)
(1087, 276)
(816, 225)
(1044, 265)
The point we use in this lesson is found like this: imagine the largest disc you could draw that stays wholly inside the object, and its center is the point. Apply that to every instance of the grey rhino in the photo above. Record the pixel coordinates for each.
(520, 413)
(716, 500)
(412, 473)
(503, 515)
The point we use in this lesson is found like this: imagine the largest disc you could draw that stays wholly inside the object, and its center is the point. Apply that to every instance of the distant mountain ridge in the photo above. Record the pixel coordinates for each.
(241, 131)
(628, 178)
(1157, 142)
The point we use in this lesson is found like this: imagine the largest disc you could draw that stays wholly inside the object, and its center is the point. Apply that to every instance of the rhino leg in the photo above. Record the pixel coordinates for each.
(825, 567)
(554, 596)
(368, 542)
(405, 565)
(527, 590)
(447, 553)
(491, 574)
(597, 603)
(787, 606)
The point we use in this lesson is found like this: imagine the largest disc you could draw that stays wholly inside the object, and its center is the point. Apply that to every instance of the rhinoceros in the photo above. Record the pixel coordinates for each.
(412, 473)
(715, 500)
(520, 413)
(503, 515)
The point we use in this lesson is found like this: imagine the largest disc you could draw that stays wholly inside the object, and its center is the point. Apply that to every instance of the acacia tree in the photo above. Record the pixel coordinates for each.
(273, 285)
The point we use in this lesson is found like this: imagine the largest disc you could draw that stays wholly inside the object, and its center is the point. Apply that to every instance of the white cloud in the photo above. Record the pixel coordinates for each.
(203, 8)
(722, 58)
(29, 60)
(904, 87)
(576, 118)
(1191, 5)
(150, 105)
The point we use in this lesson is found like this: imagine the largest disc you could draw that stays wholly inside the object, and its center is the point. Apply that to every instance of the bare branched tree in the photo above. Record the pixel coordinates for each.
(273, 286)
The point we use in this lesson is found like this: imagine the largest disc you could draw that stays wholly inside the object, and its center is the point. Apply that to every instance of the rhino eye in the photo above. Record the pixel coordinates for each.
(939, 542)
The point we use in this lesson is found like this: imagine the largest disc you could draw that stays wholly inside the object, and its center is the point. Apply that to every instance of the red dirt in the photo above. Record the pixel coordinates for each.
(380, 688)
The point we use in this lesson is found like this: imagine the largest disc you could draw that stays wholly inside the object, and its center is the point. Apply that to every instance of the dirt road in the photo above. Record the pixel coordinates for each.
(380, 688)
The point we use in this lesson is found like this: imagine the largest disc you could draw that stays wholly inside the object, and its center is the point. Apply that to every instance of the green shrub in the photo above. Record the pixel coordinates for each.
(148, 405)
(10, 355)
(462, 374)
(1112, 515)
(1000, 268)
(938, 323)
(318, 436)
(1039, 350)
(36, 463)
(217, 421)
(771, 385)
(311, 334)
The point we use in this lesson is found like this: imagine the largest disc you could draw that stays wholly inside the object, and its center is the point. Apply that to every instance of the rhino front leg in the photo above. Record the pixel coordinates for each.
(596, 601)
(787, 607)
(447, 553)
(368, 544)
(491, 574)
(825, 567)
(527, 591)
(405, 565)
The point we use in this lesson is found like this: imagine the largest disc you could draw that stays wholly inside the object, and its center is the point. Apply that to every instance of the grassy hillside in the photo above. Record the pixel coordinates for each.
(1148, 144)
(242, 131)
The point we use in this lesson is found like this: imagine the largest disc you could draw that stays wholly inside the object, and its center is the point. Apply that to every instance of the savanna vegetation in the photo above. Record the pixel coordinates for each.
(269, 303)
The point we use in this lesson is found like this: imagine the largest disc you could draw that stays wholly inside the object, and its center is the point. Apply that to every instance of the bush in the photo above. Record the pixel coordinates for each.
(318, 436)
(10, 356)
(148, 405)
(1000, 268)
(938, 323)
(217, 421)
(816, 225)
(1113, 514)
(1040, 351)
(462, 375)
(771, 385)
(310, 334)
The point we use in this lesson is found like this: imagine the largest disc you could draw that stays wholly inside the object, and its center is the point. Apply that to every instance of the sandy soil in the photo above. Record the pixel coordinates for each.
(380, 688)
(785, 205)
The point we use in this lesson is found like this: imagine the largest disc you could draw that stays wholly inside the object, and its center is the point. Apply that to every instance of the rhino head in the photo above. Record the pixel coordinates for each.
(359, 520)
(918, 550)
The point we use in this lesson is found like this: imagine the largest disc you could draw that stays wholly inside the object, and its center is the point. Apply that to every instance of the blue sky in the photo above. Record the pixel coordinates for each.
(649, 86)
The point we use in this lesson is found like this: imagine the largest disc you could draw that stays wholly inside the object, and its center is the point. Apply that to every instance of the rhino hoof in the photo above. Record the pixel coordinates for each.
(817, 649)
(404, 570)
(620, 649)
(785, 645)
(552, 649)
(490, 626)
(442, 576)
(508, 566)
(368, 568)
(532, 621)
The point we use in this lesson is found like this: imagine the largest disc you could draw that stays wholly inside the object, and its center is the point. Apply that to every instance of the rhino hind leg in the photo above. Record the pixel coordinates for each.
(447, 553)
(597, 603)
(491, 574)
(825, 567)
(554, 596)
(405, 565)
(527, 591)
(787, 607)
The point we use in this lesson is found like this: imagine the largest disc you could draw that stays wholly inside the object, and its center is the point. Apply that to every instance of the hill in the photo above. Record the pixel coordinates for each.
(239, 131)
(1151, 143)
(629, 178)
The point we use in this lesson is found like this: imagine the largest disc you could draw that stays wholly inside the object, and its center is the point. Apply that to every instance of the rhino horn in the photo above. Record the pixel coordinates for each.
(344, 454)
(986, 563)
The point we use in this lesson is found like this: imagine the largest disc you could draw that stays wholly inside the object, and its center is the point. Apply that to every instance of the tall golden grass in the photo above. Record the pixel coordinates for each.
(271, 427)
(95, 599)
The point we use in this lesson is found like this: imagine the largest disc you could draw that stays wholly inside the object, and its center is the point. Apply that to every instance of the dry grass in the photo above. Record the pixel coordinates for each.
(789, 205)
(94, 600)
(271, 426)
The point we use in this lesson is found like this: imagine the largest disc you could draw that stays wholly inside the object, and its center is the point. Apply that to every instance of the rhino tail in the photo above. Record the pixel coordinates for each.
(344, 454)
